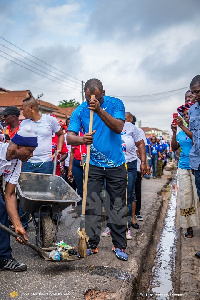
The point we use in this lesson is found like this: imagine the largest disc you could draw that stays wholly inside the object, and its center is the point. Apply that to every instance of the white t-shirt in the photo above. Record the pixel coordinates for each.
(9, 168)
(129, 135)
(43, 129)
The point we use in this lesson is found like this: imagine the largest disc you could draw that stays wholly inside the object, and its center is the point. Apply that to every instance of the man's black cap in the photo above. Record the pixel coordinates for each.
(10, 110)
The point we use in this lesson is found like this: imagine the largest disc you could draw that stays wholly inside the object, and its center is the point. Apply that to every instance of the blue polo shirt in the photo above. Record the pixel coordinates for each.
(106, 150)
(185, 144)
(194, 126)
(154, 149)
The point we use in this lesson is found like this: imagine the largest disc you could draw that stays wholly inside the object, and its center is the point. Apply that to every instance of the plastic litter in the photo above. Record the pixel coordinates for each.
(63, 252)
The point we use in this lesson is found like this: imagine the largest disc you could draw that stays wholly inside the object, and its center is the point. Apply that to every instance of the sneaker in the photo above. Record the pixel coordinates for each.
(139, 218)
(120, 253)
(12, 265)
(92, 251)
(106, 232)
(129, 234)
(135, 225)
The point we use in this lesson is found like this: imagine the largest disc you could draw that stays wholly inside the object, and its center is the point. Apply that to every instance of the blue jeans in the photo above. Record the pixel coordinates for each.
(5, 249)
(45, 168)
(154, 159)
(132, 175)
(197, 180)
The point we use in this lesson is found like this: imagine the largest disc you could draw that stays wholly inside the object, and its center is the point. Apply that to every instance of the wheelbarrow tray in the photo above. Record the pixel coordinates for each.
(36, 189)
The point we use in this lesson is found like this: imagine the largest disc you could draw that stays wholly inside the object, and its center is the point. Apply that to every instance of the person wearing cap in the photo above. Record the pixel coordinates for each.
(187, 190)
(20, 149)
(10, 118)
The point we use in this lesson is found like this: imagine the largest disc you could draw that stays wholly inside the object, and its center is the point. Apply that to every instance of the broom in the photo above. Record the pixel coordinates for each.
(83, 238)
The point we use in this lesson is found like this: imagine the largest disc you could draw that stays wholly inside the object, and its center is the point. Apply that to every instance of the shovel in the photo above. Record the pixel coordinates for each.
(83, 238)
(27, 243)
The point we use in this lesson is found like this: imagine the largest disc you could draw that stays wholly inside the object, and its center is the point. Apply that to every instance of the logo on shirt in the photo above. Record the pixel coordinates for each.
(6, 171)
(123, 132)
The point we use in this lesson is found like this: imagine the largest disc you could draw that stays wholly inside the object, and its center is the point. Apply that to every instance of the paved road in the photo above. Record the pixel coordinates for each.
(100, 272)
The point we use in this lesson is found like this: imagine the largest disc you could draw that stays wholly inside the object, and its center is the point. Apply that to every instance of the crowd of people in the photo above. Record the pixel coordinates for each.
(120, 157)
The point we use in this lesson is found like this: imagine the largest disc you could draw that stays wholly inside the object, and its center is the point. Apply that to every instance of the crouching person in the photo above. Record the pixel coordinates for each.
(20, 149)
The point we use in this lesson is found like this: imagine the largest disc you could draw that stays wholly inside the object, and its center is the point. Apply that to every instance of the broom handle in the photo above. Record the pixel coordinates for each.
(87, 163)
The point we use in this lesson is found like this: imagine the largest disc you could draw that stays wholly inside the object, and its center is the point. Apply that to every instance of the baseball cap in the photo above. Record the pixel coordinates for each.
(10, 110)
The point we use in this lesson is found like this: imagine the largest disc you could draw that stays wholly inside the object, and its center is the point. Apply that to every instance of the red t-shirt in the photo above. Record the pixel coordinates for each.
(79, 150)
(63, 151)
(9, 132)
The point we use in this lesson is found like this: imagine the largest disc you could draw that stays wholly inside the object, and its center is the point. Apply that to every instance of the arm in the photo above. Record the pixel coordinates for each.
(73, 139)
(60, 135)
(184, 128)
(112, 123)
(174, 143)
(142, 153)
(70, 173)
(11, 206)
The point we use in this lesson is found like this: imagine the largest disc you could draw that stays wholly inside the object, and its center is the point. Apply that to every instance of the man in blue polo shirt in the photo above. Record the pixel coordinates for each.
(107, 162)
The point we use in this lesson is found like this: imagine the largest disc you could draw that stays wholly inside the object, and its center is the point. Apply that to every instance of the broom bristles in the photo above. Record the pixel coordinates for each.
(82, 244)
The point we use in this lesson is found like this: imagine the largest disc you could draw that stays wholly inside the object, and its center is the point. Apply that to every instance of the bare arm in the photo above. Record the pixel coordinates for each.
(86, 139)
(60, 135)
(116, 125)
(11, 206)
(142, 154)
(184, 128)
(174, 143)
(70, 173)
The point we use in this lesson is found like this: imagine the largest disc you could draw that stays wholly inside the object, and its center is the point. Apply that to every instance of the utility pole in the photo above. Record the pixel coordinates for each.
(82, 91)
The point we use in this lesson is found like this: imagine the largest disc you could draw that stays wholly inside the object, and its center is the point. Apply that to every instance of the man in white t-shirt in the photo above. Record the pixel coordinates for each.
(44, 126)
(131, 138)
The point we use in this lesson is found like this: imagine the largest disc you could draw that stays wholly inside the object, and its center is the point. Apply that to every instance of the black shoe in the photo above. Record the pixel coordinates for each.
(197, 254)
(12, 265)
(135, 225)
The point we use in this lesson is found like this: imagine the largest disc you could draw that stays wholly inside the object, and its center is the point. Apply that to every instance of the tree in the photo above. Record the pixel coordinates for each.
(68, 103)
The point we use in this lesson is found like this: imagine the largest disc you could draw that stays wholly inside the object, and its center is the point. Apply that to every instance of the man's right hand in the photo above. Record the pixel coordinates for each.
(21, 231)
(88, 138)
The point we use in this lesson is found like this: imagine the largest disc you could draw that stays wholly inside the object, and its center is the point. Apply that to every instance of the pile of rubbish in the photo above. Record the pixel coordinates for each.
(63, 252)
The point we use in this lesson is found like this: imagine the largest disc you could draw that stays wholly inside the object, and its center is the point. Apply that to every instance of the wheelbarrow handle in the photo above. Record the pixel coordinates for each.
(27, 243)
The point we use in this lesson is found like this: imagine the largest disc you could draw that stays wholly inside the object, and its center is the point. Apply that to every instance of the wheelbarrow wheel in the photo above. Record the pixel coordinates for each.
(47, 230)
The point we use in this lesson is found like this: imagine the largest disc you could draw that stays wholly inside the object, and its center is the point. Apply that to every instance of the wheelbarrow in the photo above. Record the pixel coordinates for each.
(43, 196)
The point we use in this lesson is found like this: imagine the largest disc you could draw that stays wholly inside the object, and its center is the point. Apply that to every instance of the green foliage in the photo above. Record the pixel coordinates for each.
(68, 103)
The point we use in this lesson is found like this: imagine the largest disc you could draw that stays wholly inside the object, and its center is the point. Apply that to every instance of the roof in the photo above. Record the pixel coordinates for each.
(12, 98)
(146, 129)
(15, 98)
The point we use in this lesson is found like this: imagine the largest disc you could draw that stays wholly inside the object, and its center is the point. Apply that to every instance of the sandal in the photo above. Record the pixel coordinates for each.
(189, 233)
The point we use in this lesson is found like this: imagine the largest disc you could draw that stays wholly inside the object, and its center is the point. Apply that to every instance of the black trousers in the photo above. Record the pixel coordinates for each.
(138, 193)
(116, 183)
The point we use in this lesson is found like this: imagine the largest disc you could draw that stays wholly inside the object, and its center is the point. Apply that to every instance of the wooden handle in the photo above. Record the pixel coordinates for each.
(27, 243)
(87, 162)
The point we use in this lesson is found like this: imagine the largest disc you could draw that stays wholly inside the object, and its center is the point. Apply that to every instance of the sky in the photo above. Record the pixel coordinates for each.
(145, 52)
